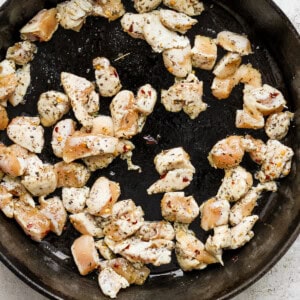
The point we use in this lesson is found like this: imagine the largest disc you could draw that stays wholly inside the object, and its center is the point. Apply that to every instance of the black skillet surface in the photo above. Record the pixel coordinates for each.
(47, 266)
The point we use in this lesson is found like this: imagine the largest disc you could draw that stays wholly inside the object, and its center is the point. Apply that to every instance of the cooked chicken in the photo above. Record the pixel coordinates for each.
(105, 252)
(145, 99)
(250, 76)
(228, 65)
(153, 230)
(249, 119)
(22, 52)
(35, 224)
(277, 125)
(159, 37)
(98, 161)
(74, 199)
(110, 9)
(27, 199)
(189, 7)
(27, 132)
(221, 88)
(84, 99)
(235, 184)
(6, 202)
(214, 212)
(85, 254)
(86, 224)
(41, 27)
(13, 185)
(52, 105)
(176, 21)
(107, 78)
(190, 251)
(234, 42)
(143, 6)
(133, 24)
(244, 207)
(175, 180)
(72, 14)
(8, 80)
(257, 154)
(124, 149)
(7, 67)
(175, 207)
(103, 195)
(204, 52)
(62, 130)
(111, 282)
(126, 219)
(3, 118)
(103, 125)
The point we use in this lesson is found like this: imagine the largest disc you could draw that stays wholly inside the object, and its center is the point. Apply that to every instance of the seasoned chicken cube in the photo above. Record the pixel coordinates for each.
(133, 24)
(6, 202)
(103, 125)
(105, 252)
(159, 37)
(171, 159)
(189, 7)
(98, 161)
(257, 154)
(103, 195)
(145, 99)
(175, 207)
(250, 76)
(62, 130)
(8, 82)
(277, 125)
(13, 185)
(110, 9)
(85, 254)
(22, 52)
(152, 230)
(54, 210)
(126, 219)
(176, 21)
(214, 212)
(143, 6)
(7, 67)
(27, 132)
(228, 65)
(235, 184)
(178, 61)
(74, 199)
(221, 88)
(3, 118)
(52, 105)
(71, 174)
(175, 180)
(234, 42)
(247, 119)
(190, 251)
(35, 224)
(41, 27)
(86, 224)
(204, 52)
(84, 99)
(111, 282)
(107, 78)
(242, 233)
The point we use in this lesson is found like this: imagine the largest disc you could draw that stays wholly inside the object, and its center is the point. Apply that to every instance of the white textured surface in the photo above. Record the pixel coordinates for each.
(281, 282)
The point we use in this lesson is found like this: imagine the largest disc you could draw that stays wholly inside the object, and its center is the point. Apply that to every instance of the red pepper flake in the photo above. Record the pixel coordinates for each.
(56, 129)
(125, 149)
(110, 200)
(29, 226)
(116, 265)
(134, 222)
(235, 258)
(274, 95)
(162, 176)
(185, 179)
(232, 182)
(143, 92)
(169, 204)
(268, 177)
(197, 252)
(130, 28)
(149, 93)
(150, 140)
(116, 74)
(126, 248)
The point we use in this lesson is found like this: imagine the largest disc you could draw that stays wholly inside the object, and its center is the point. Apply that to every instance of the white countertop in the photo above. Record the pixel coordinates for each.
(281, 282)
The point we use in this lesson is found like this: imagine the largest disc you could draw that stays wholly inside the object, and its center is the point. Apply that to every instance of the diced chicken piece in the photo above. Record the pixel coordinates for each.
(107, 78)
(27, 199)
(221, 88)
(126, 219)
(22, 52)
(245, 206)
(214, 212)
(175, 180)
(41, 27)
(189, 7)
(54, 210)
(178, 61)
(103, 195)
(111, 282)
(35, 224)
(71, 174)
(98, 161)
(190, 251)
(276, 161)
(124, 115)
(257, 154)
(110, 9)
(176, 21)
(85, 254)
(235, 184)
(41, 182)
(27, 132)
(7, 67)
(175, 158)
(127, 270)
(234, 42)
(8, 80)
(175, 207)
(84, 99)
(3, 118)
(250, 76)
(133, 24)
(152, 230)
(144, 6)
(242, 233)
(204, 53)
(13, 186)
(72, 14)
(105, 252)
(277, 125)
(247, 119)
(74, 199)
(228, 65)
(86, 224)
(145, 99)
(80, 145)
(159, 37)
(103, 125)
(52, 105)
(6, 202)
(62, 130)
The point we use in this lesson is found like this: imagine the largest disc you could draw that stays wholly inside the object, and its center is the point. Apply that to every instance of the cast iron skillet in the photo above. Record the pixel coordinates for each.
(47, 266)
